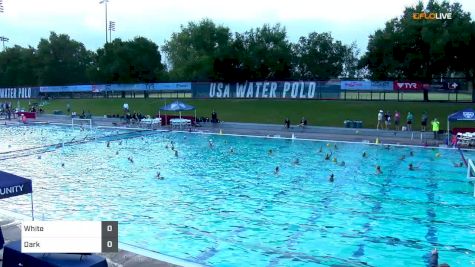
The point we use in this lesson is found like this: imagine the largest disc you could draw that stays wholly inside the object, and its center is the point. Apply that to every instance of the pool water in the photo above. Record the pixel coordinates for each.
(220, 208)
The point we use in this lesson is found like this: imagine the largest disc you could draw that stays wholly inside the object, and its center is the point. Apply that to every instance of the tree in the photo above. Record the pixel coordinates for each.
(138, 60)
(17, 67)
(318, 56)
(413, 49)
(200, 52)
(62, 61)
(266, 53)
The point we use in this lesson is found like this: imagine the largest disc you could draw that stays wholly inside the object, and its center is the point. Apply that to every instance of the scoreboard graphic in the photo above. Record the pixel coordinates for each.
(69, 237)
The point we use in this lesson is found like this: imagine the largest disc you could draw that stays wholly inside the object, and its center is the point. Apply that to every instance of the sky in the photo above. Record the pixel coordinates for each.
(25, 22)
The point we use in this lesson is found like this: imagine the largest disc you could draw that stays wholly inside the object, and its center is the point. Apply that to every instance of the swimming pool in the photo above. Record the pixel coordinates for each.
(229, 209)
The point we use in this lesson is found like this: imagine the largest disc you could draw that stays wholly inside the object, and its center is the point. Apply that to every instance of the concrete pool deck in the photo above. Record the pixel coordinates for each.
(309, 132)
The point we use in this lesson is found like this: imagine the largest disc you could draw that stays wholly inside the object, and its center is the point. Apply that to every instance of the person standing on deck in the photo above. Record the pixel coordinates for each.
(435, 128)
(380, 120)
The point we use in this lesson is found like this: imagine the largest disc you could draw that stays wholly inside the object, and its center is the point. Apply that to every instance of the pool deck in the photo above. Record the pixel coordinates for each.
(309, 132)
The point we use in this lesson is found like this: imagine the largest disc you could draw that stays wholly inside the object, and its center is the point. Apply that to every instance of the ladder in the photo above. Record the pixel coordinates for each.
(471, 174)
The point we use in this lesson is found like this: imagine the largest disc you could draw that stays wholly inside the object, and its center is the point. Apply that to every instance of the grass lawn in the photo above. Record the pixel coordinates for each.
(317, 112)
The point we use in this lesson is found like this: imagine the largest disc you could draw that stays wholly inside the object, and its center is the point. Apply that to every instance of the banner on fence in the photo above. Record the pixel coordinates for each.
(25, 92)
(407, 86)
(267, 89)
(367, 85)
(96, 88)
(445, 86)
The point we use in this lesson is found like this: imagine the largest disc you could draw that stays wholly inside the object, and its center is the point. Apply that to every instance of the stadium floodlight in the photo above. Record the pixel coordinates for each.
(4, 39)
(111, 29)
(105, 4)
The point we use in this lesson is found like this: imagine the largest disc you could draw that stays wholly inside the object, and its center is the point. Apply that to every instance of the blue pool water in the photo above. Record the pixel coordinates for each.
(229, 209)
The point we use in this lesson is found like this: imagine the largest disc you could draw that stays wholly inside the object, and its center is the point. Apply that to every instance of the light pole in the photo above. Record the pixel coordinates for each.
(4, 39)
(111, 29)
(105, 3)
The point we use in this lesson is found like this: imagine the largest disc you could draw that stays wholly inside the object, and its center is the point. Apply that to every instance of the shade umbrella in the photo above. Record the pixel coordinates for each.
(178, 106)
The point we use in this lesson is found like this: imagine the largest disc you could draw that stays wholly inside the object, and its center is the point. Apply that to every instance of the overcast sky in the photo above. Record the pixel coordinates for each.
(24, 22)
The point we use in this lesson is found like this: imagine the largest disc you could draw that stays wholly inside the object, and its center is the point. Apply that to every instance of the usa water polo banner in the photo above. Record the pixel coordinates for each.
(267, 89)
(25, 92)
(96, 88)
(367, 85)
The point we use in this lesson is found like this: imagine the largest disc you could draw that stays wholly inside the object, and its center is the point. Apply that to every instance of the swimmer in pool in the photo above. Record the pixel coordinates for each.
(328, 156)
(335, 146)
(131, 159)
(269, 152)
(210, 143)
(331, 179)
(458, 165)
(277, 169)
(335, 160)
(364, 154)
(62, 164)
(411, 153)
(403, 157)
(176, 153)
(39, 157)
(231, 150)
(166, 146)
(120, 143)
(117, 152)
(411, 167)
(437, 155)
(296, 161)
(342, 163)
(378, 170)
(159, 177)
(108, 143)
(320, 150)
(173, 147)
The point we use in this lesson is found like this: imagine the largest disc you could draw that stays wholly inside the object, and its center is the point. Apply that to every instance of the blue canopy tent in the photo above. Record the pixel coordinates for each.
(467, 114)
(12, 185)
(178, 106)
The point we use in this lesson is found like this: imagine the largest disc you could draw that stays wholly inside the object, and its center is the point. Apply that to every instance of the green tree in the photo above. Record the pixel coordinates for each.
(422, 50)
(17, 67)
(61, 61)
(138, 60)
(266, 54)
(319, 56)
(200, 52)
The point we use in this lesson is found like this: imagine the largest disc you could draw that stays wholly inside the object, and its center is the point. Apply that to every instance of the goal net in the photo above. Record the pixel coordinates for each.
(81, 123)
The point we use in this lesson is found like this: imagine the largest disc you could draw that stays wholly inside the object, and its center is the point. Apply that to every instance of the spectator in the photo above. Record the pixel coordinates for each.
(380, 120)
(214, 117)
(424, 121)
(397, 119)
(126, 107)
(387, 120)
(287, 123)
(435, 128)
(409, 121)
(68, 108)
(303, 122)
